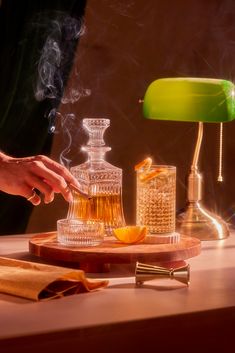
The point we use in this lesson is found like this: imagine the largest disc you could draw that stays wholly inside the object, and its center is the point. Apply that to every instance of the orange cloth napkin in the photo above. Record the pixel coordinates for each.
(42, 282)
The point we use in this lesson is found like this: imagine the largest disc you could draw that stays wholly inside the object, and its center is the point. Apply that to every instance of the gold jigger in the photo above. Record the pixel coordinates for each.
(145, 272)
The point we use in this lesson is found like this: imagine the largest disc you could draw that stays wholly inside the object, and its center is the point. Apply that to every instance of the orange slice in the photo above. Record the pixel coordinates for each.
(147, 162)
(131, 234)
(150, 175)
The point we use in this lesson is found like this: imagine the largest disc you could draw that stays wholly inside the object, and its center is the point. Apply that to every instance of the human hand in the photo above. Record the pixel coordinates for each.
(20, 176)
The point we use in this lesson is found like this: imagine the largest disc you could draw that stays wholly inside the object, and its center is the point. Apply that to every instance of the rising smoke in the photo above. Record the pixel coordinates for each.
(56, 58)
(57, 55)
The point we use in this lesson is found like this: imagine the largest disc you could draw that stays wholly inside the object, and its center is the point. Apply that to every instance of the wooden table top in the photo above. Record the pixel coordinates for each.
(123, 317)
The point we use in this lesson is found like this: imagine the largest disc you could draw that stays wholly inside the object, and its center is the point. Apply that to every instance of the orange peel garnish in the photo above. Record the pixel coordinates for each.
(150, 175)
(146, 163)
(131, 234)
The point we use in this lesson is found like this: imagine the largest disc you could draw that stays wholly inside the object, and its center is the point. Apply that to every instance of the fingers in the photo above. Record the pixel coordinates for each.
(34, 198)
(43, 187)
(58, 169)
(29, 193)
(27, 190)
(44, 176)
(53, 180)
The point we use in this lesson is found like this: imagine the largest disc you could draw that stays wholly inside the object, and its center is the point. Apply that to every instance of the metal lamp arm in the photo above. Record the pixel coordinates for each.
(194, 166)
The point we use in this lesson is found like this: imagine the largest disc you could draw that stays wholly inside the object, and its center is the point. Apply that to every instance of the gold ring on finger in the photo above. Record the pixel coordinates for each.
(32, 196)
(67, 189)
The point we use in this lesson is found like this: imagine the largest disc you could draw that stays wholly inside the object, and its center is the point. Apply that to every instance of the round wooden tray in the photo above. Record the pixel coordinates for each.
(112, 251)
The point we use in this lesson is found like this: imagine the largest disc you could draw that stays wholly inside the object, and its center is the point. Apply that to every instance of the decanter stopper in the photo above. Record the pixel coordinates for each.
(96, 129)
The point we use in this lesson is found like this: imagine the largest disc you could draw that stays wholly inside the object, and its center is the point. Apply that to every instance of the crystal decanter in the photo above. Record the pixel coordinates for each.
(100, 180)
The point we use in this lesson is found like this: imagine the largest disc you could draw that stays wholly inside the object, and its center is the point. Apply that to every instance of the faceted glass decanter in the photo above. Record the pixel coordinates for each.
(100, 180)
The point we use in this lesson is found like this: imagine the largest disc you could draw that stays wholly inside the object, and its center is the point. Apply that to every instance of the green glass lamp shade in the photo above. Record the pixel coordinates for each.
(190, 99)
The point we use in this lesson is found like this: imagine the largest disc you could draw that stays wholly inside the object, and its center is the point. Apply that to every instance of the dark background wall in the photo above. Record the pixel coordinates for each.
(128, 44)
(37, 44)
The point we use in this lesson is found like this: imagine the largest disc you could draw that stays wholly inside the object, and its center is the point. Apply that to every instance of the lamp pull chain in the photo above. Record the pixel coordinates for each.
(220, 176)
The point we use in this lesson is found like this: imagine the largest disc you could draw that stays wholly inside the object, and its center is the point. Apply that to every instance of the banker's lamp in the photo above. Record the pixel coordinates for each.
(193, 100)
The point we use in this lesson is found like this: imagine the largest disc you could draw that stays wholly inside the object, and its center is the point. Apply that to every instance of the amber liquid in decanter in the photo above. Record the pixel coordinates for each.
(100, 180)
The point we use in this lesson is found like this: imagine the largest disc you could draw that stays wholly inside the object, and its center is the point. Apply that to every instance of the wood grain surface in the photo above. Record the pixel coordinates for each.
(112, 251)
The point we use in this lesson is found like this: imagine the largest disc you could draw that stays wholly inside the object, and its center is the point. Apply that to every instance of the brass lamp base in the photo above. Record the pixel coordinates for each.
(196, 221)
(199, 223)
